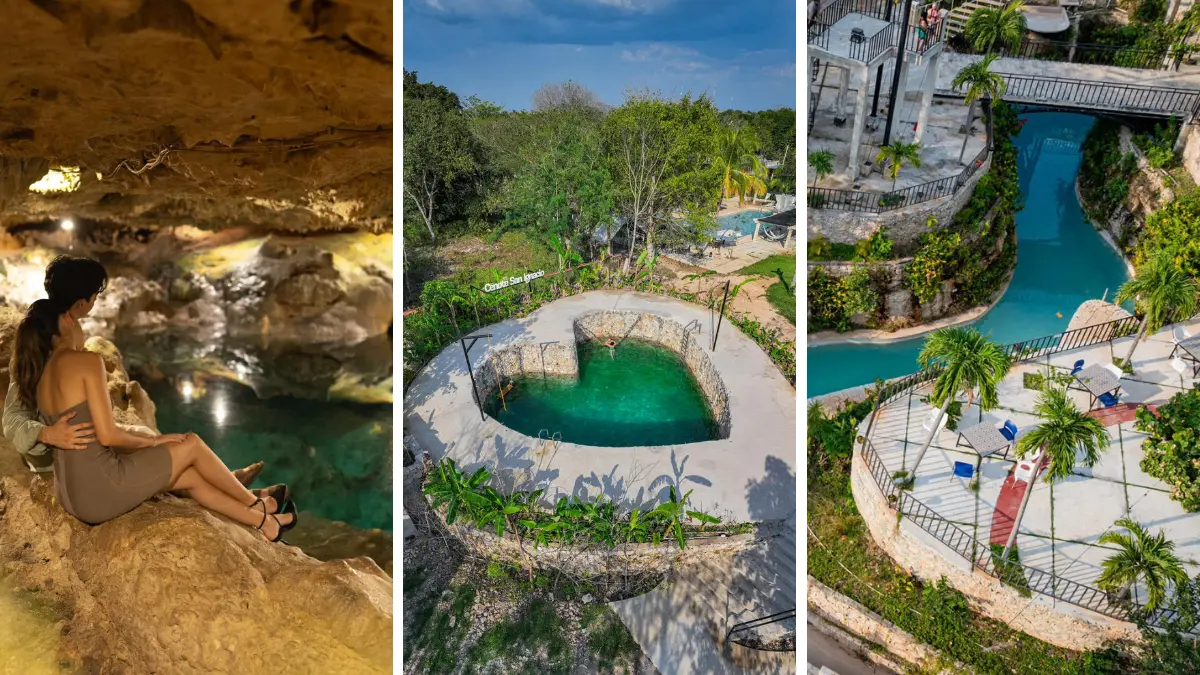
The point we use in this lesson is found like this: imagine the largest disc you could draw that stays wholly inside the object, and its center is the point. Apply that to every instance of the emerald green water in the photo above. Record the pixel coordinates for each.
(644, 396)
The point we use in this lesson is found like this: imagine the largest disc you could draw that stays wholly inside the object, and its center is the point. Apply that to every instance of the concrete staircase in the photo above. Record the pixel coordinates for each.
(956, 20)
(682, 625)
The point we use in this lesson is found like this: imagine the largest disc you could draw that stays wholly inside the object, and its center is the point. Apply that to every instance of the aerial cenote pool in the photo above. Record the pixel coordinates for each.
(1061, 262)
(644, 396)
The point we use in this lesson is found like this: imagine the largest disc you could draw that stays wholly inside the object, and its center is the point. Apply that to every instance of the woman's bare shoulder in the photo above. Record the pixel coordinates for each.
(84, 361)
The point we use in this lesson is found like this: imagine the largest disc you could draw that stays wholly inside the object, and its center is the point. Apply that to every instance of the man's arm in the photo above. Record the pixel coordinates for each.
(21, 425)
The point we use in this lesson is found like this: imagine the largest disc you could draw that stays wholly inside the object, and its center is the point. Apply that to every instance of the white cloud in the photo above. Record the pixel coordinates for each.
(643, 6)
(657, 51)
(480, 7)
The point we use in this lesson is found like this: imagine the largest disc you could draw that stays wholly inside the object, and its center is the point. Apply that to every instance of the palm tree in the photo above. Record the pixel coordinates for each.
(1151, 558)
(895, 154)
(969, 361)
(1065, 430)
(1162, 293)
(742, 172)
(978, 82)
(821, 162)
(988, 27)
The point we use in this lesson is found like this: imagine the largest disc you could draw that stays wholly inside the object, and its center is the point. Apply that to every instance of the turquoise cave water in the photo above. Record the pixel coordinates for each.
(1061, 262)
(336, 456)
(644, 396)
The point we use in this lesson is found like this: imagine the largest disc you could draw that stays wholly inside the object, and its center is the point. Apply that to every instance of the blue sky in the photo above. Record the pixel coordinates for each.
(743, 54)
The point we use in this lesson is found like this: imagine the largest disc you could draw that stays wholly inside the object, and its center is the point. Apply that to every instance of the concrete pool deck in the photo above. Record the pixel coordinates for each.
(1064, 521)
(749, 476)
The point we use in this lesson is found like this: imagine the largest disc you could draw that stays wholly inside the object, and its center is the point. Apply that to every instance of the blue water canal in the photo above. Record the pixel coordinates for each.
(1061, 262)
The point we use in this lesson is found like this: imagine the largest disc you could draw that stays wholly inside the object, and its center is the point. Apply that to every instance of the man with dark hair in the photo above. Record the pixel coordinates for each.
(22, 426)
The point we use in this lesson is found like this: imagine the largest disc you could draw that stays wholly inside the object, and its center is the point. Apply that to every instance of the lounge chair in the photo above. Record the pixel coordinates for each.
(775, 233)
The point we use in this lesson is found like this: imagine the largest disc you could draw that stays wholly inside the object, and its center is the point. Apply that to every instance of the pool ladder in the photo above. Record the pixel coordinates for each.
(548, 441)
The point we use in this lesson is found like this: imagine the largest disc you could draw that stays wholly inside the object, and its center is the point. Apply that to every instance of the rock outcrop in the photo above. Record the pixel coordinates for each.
(213, 113)
(173, 588)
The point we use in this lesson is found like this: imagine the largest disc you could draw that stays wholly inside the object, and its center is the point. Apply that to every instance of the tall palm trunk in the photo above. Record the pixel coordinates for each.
(967, 131)
(987, 116)
(1012, 536)
(929, 441)
(1141, 334)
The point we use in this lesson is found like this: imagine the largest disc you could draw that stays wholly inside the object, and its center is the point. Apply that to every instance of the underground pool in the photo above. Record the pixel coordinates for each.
(640, 394)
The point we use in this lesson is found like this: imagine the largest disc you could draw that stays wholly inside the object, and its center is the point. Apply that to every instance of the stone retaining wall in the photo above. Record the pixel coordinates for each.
(904, 225)
(854, 618)
(1056, 622)
(563, 359)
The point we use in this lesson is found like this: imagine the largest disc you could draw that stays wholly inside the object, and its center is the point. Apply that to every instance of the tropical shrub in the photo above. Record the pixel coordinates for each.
(1159, 145)
(819, 248)
(1172, 451)
(1174, 228)
(875, 248)
(832, 300)
(573, 521)
(930, 266)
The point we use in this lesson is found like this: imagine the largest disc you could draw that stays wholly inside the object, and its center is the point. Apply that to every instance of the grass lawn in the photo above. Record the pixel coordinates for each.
(475, 259)
(773, 266)
(783, 298)
(781, 295)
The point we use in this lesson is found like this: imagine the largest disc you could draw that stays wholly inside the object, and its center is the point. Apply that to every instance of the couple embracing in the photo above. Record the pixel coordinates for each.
(101, 469)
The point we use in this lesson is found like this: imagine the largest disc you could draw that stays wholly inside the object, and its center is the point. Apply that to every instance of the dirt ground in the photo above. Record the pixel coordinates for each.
(750, 299)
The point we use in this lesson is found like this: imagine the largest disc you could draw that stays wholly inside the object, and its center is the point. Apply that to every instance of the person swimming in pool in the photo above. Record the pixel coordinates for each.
(53, 372)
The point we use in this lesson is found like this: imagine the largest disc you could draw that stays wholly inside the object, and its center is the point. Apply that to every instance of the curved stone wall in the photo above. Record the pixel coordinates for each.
(923, 556)
(562, 359)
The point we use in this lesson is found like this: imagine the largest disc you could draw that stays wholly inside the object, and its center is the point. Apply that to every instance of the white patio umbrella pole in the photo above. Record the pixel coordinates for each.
(929, 441)
(1012, 536)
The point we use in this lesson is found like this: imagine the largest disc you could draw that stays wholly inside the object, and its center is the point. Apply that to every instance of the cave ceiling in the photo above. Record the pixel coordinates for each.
(213, 113)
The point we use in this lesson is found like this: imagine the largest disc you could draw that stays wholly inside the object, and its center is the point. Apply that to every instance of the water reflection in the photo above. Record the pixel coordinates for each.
(29, 635)
(336, 455)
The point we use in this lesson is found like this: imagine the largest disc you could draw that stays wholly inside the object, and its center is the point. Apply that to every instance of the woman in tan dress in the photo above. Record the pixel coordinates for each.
(56, 375)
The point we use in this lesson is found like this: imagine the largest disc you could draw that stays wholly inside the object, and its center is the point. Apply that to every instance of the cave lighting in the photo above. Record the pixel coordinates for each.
(67, 224)
(62, 179)
(187, 390)
(220, 410)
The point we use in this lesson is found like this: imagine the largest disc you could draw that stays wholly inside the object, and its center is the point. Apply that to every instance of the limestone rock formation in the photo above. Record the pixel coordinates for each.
(208, 112)
(173, 588)
(293, 290)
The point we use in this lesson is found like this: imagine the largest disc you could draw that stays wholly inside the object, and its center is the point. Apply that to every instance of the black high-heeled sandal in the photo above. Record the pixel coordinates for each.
(289, 507)
(278, 535)
(280, 493)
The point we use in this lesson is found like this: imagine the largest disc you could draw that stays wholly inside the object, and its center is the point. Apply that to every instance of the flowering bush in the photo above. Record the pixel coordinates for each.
(1172, 452)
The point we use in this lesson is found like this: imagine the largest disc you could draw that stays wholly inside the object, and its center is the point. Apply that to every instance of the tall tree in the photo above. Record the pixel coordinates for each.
(567, 95)
(1141, 556)
(989, 27)
(441, 155)
(661, 156)
(1161, 292)
(742, 171)
(1064, 433)
(969, 362)
(978, 82)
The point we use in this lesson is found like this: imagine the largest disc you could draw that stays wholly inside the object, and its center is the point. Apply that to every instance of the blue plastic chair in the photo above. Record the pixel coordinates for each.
(1078, 367)
(1009, 430)
(963, 470)
(1109, 400)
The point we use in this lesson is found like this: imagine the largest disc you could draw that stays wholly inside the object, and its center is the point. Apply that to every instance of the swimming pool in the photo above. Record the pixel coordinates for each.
(1061, 262)
(742, 221)
(643, 396)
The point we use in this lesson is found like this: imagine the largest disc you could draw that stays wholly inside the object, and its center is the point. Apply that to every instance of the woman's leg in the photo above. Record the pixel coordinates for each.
(214, 499)
(195, 453)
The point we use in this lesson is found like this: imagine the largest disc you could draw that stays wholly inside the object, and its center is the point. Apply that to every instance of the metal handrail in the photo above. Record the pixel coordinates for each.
(759, 623)
(1093, 54)
(1096, 94)
(966, 545)
(879, 202)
